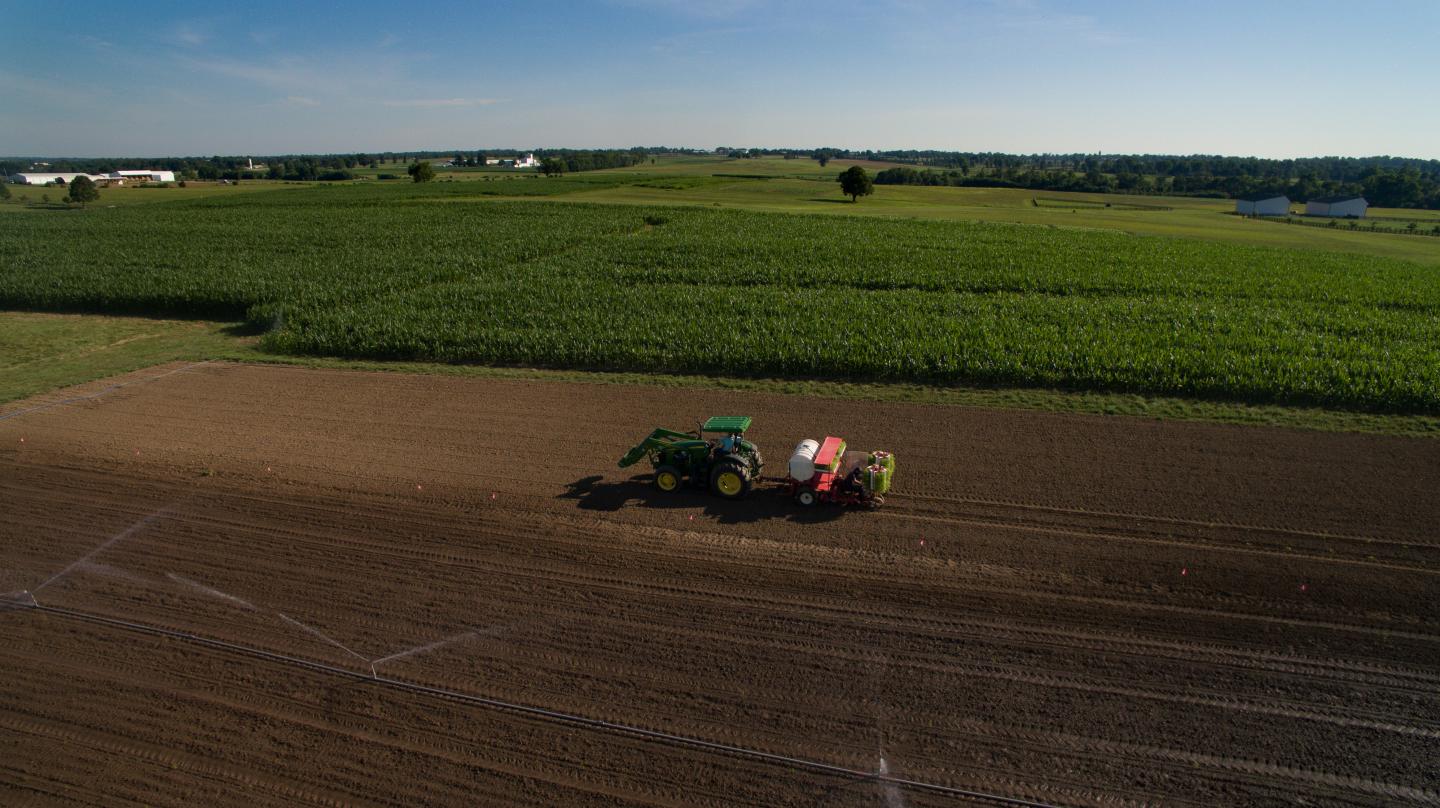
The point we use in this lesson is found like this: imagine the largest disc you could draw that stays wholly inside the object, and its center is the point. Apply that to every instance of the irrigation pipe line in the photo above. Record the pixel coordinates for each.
(539, 712)
(101, 392)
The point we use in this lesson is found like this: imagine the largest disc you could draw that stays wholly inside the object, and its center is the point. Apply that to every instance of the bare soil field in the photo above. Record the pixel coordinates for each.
(1069, 610)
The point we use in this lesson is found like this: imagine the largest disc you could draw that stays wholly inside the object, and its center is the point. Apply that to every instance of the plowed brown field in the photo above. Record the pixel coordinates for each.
(1067, 609)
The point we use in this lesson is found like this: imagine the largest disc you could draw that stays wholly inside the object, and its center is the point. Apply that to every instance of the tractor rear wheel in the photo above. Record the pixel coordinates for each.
(729, 480)
(667, 479)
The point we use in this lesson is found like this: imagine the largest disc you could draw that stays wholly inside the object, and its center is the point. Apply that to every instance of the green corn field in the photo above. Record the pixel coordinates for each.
(442, 273)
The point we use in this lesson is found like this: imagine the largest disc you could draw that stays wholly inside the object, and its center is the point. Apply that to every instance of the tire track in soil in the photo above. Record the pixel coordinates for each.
(1211, 698)
(1084, 747)
(308, 715)
(447, 558)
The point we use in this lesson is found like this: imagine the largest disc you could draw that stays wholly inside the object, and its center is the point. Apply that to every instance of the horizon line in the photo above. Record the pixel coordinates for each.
(713, 150)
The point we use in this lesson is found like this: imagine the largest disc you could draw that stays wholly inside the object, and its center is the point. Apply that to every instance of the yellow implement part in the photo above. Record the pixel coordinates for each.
(730, 483)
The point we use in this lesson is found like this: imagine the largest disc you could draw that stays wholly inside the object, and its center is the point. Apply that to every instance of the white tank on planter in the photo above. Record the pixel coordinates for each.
(802, 462)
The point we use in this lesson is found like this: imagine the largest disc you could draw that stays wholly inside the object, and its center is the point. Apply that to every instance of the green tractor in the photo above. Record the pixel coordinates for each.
(728, 464)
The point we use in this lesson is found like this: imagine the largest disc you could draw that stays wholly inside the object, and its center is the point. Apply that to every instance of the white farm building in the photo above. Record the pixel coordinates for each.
(1263, 205)
(528, 161)
(67, 177)
(147, 175)
(1339, 207)
(47, 178)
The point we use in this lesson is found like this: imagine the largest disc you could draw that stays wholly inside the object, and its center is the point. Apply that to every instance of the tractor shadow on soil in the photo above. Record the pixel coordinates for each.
(595, 493)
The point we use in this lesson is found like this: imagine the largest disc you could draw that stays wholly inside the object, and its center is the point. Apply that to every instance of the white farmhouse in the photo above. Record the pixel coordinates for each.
(1348, 206)
(528, 161)
(1269, 204)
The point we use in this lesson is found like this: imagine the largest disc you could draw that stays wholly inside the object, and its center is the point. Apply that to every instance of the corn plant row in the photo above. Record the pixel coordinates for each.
(445, 274)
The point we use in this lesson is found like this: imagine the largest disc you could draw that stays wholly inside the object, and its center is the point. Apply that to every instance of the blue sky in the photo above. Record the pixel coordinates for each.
(1264, 78)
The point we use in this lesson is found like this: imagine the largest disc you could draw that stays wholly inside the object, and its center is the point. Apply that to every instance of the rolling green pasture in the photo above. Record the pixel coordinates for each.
(445, 272)
(399, 170)
(1185, 217)
(1405, 215)
(768, 167)
(774, 184)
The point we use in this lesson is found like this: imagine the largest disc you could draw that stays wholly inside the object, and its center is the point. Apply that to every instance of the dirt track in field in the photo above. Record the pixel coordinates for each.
(1069, 609)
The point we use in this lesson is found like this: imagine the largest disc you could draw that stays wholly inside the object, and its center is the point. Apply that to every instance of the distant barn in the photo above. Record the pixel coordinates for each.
(147, 175)
(49, 178)
(46, 178)
(1339, 207)
(1269, 204)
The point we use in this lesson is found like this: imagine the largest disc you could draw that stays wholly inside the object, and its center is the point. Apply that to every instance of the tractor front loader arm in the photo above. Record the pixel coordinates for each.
(656, 441)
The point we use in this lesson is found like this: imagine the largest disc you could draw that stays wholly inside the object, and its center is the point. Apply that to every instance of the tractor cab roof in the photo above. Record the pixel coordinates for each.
(729, 424)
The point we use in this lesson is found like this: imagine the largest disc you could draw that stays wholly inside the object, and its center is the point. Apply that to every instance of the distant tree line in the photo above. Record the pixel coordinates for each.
(1399, 182)
(282, 167)
(1090, 182)
(311, 167)
(1385, 181)
(1393, 182)
(570, 159)
(593, 160)
(1385, 187)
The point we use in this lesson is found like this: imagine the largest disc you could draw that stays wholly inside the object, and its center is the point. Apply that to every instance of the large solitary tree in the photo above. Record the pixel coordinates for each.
(83, 191)
(552, 166)
(421, 171)
(855, 183)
